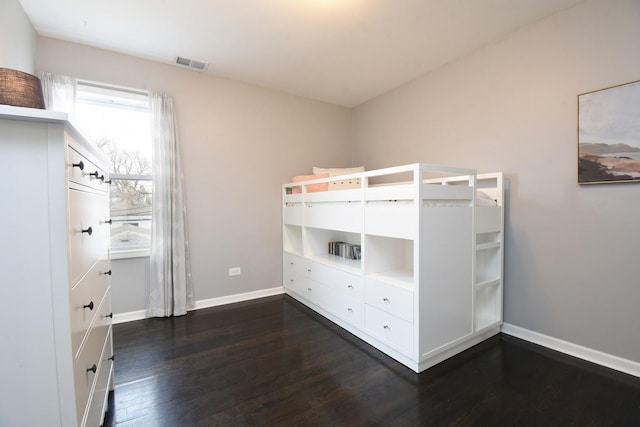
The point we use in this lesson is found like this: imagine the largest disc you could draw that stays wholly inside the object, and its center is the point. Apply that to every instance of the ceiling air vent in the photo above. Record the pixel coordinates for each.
(194, 64)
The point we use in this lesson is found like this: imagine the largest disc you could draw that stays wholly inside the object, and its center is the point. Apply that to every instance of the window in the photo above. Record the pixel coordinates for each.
(118, 122)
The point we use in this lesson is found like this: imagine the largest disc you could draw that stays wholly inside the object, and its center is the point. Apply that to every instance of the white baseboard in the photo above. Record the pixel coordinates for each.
(229, 299)
(206, 303)
(610, 361)
(129, 316)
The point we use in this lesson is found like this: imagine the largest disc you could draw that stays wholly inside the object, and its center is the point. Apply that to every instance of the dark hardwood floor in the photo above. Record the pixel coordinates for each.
(275, 362)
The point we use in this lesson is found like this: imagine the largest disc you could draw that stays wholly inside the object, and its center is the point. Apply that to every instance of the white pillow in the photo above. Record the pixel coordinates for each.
(337, 171)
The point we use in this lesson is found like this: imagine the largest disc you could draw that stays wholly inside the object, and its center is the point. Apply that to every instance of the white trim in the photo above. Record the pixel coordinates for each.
(129, 317)
(130, 253)
(610, 361)
(211, 302)
(229, 299)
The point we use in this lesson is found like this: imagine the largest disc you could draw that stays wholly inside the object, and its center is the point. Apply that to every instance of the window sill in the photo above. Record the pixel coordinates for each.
(130, 253)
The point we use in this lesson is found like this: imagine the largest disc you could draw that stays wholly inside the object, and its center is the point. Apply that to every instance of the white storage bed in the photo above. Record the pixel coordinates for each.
(427, 283)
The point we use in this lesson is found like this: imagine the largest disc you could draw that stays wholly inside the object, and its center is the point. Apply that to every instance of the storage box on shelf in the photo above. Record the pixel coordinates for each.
(428, 283)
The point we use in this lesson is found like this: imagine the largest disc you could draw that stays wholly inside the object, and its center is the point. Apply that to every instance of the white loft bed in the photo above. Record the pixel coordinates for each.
(428, 283)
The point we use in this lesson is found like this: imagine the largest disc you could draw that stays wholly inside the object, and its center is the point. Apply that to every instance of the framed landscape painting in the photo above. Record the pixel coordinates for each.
(609, 135)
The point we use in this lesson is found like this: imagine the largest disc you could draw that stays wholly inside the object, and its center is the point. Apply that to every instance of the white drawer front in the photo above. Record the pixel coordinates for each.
(342, 282)
(88, 360)
(393, 331)
(348, 309)
(97, 405)
(341, 216)
(88, 233)
(391, 219)
(84, 172)
(86, 298)
(389, 298)
(292, 214)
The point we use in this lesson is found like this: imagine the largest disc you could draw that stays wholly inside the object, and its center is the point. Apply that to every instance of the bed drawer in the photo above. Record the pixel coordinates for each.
(88, 233)
(391, 218)
(348, 309)
(340, 216)
(293, 271)
(389, 298)
(388, 328)
(342, 282)
(88, 299)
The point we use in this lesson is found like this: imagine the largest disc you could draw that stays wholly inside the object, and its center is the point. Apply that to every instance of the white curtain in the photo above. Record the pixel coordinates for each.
(171, 289)
(59, 93)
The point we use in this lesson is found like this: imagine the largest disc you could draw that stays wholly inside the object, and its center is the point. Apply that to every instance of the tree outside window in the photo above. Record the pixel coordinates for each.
(118, 122)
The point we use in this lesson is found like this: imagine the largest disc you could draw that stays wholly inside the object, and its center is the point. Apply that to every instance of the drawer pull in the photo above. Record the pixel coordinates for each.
(350, 286)
(350, 310)
(385, 299)
(309, 270)
(89, 306)
(93, 369)
(79, 165)
(387, 327)
(309, 289)
(110, 315)
(89, 231)
(110, 221)
(112, 358)
(106, 273)
(96, 175)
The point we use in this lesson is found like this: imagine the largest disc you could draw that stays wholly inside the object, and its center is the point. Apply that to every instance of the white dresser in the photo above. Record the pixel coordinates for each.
(56, 357)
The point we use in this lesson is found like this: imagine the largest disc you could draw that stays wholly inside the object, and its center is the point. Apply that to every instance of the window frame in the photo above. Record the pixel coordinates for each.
(130, 99)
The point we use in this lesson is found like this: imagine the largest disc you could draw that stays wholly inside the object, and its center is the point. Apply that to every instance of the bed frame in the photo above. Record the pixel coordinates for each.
(418, 270)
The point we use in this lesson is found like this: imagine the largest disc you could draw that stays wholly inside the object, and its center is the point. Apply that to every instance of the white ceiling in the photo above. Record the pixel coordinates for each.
(339, 51)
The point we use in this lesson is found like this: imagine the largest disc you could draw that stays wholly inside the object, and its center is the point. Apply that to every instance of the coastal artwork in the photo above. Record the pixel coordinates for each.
(609, 135)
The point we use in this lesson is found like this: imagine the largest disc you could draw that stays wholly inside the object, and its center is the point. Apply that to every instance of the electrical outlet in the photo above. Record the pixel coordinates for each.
(235, 271)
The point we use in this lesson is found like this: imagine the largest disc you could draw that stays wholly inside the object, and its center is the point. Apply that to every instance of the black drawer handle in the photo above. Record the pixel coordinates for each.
(93, 369)
(110, 315)
(89, 231)
(89, 306)
(97, 176)
(112, 358)
(79, 165)
(106, 273)
(110, 221)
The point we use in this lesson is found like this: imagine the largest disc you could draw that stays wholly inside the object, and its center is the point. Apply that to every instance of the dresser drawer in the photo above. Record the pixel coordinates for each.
(98, 402)
(89, 359)
(88, 232)
(395, 332)
(89, 300)
(84, 172)
(392, 299)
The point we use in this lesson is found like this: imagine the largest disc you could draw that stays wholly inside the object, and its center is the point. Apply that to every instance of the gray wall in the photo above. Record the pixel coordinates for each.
(572, 269)
(17, 38)
(239, 144)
